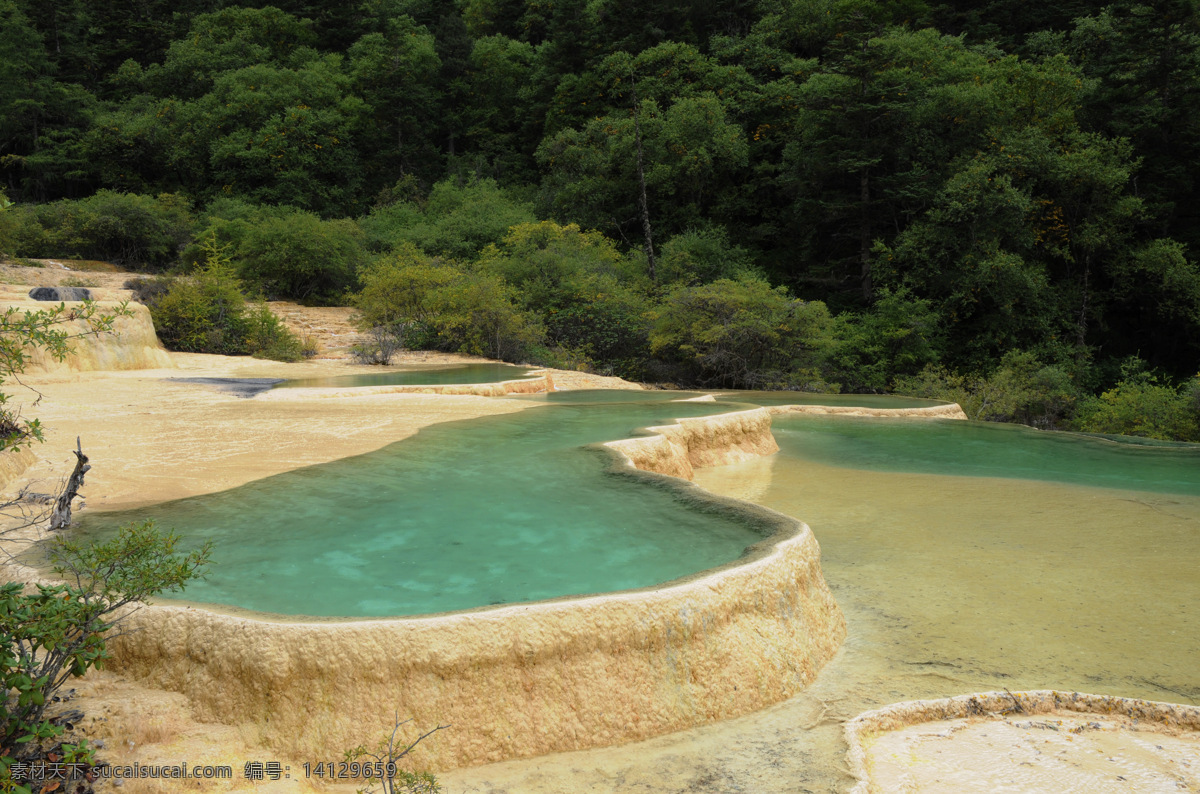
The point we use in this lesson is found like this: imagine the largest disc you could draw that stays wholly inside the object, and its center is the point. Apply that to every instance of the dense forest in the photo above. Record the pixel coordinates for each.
(990, 202)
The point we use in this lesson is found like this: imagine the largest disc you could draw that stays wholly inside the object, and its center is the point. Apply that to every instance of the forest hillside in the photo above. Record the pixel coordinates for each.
(991, 203)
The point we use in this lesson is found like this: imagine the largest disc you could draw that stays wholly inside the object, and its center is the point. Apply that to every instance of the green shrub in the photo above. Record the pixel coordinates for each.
(1022, 390)
(57, 631)
(603, 324)
(268, 337)
(742, 334)
(444, 307)
(1143, 406)
(207, 313)
(300, 256)
(477, 314)
(398, 288)
(127, 228)
(699, 256)
(898, 337)
(457, 221)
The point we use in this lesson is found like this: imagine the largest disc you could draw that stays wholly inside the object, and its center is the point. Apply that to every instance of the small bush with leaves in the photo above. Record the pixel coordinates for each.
(268, 337)
(741, 334)
(298, 255)
(208, 314)
(1022, 389)
(59, 631)
(1143, 405)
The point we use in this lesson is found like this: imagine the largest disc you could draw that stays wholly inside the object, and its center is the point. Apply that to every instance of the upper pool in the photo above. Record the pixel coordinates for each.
(465, 514)
(441, 376)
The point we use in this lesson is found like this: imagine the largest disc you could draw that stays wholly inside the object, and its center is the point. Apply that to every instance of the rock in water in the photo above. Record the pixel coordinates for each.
(60, 294)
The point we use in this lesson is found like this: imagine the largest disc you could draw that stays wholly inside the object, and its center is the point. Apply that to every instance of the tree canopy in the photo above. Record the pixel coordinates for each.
(952, 182)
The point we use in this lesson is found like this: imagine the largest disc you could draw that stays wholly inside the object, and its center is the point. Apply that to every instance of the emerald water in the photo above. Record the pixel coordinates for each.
(467, 514)
(442, 376)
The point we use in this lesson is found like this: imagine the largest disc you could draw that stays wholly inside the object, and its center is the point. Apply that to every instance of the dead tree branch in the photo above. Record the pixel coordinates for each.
(60, 518)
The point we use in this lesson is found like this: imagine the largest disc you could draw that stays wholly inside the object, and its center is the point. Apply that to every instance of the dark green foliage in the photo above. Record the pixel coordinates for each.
(300, 256)
(1143, 404)
(139, 231)
(1021, 389)
(702, 255)
(742, 334)
(584, 291)
(900, 335)
(443, 307)
(457, 220)
(268, 337)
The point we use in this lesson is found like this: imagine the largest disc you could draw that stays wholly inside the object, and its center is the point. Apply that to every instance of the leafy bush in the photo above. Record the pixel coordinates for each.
(127, 228)
(59, 631)
(477, 314)
(445, 307)
(399, 288)
(457, 221)
(268, 337)
(577, 283)
(300, 256)
(1022, 389)
(548, 263)
(603, 324)
(698, 256)
(899, 336)
(742, 334)
(1143, 406)
(207, 313)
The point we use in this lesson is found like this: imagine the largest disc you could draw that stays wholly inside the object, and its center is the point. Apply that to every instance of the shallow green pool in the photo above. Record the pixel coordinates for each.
(466, 514)
(441, 376)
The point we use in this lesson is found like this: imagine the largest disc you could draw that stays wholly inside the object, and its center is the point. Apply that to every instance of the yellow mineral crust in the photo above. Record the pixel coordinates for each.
(703, 441)
(516, 681)
(132, 344)
(1040, 740)
(13, 463)
(948, 411)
